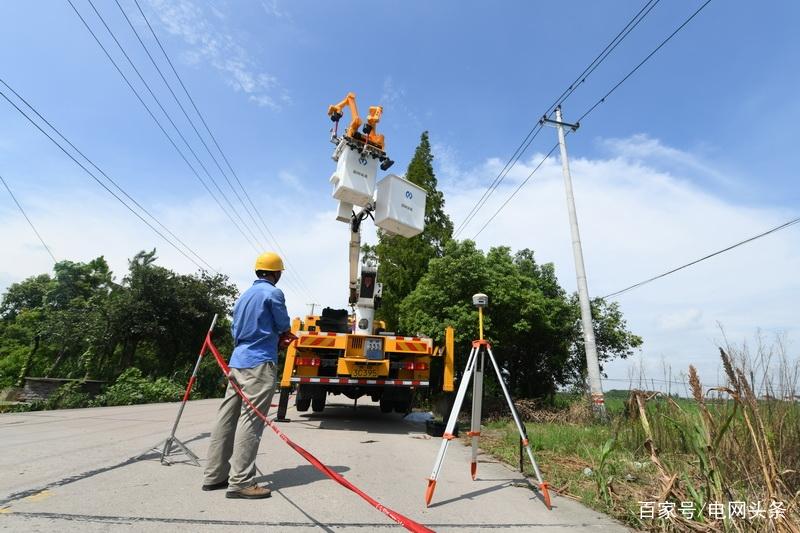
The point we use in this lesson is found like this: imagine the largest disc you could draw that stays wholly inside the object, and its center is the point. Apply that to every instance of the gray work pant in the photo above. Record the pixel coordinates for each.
(237, 434)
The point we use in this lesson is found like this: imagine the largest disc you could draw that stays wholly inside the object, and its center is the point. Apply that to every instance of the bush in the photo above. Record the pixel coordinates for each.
(133, 388)
(68, 396)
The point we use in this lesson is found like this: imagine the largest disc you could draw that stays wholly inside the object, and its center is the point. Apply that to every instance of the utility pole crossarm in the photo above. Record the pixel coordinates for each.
(545, 120)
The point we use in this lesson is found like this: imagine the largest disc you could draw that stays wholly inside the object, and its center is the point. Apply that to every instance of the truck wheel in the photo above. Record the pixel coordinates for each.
(318, 403)
(386, 405)
(302, 404)
(402, 407)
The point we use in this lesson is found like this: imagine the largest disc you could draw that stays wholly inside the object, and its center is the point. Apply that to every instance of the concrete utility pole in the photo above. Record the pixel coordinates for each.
(592, 363)
(312, 306)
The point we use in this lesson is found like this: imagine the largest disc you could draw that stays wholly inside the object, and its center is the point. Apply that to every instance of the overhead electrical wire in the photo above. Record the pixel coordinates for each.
(643, 61)
(705, 257)
(106, 176)
(597, 61)
(248, 236)
(513, 194)
(526, 142)
(185, 114)
(252, 208)
(160, 126)
(100, 182)
(30, 223)
(603, 99)
(232, 213)
(534, 131)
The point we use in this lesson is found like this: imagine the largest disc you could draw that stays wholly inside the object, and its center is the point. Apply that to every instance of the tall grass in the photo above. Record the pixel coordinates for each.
(734, 442)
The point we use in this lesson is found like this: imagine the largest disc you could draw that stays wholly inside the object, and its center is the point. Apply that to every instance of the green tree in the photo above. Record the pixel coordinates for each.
(532, 323)
(21, 327)
(159, 317)
(401, 261)
(71, 308)
(80, 323)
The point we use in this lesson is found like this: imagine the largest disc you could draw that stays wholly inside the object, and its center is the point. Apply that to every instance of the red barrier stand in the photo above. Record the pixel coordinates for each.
(172, 445)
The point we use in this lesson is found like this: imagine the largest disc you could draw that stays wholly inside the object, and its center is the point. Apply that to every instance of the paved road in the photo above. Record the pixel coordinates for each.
(71, 470)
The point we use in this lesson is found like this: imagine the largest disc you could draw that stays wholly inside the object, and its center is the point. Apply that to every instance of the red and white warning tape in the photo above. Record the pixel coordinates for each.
(397, 517)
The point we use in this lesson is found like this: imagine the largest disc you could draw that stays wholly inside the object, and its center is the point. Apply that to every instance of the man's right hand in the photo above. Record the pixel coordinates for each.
(286, 339)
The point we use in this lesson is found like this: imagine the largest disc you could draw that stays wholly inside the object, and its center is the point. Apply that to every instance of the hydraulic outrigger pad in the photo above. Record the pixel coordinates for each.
(481, 351)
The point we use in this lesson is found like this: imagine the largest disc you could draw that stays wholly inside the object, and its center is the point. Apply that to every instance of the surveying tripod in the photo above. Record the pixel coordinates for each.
(476, 366)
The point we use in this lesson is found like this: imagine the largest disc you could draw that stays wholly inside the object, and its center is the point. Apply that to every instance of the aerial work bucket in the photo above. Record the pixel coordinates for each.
(400, 206)
(354, 179)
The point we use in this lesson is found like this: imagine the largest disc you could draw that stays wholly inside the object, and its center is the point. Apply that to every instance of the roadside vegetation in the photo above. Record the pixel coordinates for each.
(140, 335)
(693, 459)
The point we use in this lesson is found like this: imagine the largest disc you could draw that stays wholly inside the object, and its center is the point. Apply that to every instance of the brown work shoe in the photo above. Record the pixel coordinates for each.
(253, 492)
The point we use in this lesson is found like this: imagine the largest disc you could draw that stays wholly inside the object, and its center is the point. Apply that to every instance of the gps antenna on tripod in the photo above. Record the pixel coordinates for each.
(476, 364)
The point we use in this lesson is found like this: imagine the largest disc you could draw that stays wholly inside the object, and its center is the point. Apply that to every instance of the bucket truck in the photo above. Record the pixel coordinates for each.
(350, 353)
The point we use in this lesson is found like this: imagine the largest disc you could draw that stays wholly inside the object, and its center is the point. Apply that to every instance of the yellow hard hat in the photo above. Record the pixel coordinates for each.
(269, 261)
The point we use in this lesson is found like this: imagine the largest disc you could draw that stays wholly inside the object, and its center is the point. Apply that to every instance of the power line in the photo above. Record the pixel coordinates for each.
(513, 194)
(106, 176)
(30, 223)
(249, 236)
(161, 127)
(603, 99)
(534, 131)
(709, 256)
(100, 182)
(177, 101)
(526, 142)
(178, 131)
(263, 226)
(597, 61)
(645, 60)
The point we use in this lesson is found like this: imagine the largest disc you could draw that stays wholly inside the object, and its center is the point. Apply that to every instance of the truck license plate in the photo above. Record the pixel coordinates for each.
(365, 371)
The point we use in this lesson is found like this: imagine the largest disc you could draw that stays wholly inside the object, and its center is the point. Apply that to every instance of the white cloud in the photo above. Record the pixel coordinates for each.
(391, 92)
(643, 148)
(291, 181)
(273, 9)
(636, 222)
(446, 164)
(680, 320)
(394, 96)
(214, 44)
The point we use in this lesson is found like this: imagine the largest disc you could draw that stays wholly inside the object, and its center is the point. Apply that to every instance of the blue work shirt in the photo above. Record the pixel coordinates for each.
(259, 317)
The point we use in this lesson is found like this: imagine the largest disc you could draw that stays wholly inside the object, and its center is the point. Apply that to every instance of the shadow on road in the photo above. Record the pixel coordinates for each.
(367, 418)
(91, 473)
(182, 458)
(471, 495)
(296, 476)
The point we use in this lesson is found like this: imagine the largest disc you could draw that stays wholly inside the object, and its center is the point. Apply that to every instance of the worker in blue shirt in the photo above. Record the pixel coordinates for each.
(260, 324)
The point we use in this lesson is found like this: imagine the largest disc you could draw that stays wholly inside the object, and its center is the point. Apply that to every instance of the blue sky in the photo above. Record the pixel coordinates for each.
(706, 127)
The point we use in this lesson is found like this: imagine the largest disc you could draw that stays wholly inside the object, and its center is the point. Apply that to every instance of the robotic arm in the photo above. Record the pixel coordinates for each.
(335, 112)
